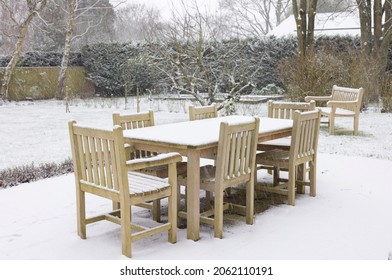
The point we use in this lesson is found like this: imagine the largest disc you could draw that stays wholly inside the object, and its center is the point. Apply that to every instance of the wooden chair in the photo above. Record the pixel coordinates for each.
(283, 110)
(101, 169)
(304, 141)
(235, 164)
(343, 102)
(135, 121)
(202, 112)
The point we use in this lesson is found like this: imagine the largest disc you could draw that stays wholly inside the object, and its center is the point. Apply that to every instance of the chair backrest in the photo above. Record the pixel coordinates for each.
(236, 152)
(285, 110)
(348, 94)
(202, 112)
(305, 134)
(99, 158)
(136, 120)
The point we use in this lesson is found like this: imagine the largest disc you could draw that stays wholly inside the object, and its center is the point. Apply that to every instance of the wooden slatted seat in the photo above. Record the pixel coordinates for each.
(101, 169)
(140, 120)
(235, 164)
(343, 102)
(304, 142)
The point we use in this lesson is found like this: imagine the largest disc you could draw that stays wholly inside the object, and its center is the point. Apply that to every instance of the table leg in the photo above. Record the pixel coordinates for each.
(301, 176)
(193, 198)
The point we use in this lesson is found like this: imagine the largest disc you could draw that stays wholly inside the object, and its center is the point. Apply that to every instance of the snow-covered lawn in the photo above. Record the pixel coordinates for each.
(37, 131)
(350, 218)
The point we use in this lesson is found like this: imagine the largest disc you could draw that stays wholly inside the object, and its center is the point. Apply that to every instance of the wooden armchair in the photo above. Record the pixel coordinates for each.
(202, 112)
(283, 110)
(140, 120)
(343, 102)
(134, 121)
(304, 142)
(235, 164)
(101, 169)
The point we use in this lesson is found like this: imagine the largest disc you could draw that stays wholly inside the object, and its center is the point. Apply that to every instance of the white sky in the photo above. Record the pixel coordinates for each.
(165, 6)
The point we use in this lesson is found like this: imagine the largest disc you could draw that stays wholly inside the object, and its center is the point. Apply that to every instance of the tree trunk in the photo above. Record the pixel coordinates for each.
(376, 34)
(61, 82)
(304, 15)
(9, 70)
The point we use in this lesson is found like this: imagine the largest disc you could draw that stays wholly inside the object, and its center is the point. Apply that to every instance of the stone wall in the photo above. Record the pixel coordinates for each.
(41, 83)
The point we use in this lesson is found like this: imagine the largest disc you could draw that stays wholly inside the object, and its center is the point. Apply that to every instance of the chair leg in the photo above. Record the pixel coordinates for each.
(172, 217)
(312, 178)
(209, 199)
(126, 233)
(301, 176)
(331, 125)
(115, 205)
(250, 198)
(356, 121)
(81, 214)
(218, 214)
(291, 186)
(156, 210)
(276, 174)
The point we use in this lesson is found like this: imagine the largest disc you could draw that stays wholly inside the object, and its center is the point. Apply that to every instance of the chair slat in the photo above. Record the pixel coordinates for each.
(108, 169)
(94, 159)
(101, 163)
(88, 157)
(82, 156)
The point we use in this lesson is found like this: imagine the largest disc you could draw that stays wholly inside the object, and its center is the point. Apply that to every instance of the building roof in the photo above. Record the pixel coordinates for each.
(342, 23)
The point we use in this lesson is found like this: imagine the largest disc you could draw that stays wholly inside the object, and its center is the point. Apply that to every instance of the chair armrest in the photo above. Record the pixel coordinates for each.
(161, 159)
(317, 98)
(341, 103)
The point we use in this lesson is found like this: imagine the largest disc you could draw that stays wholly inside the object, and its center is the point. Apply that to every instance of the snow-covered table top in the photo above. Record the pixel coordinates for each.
(200, 133)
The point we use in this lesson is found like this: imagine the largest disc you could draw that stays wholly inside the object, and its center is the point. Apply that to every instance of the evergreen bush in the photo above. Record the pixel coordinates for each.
(43, 59)
(103, 63)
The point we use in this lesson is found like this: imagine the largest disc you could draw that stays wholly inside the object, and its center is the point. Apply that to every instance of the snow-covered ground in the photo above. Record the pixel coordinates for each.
(349, 219)
(37, 131)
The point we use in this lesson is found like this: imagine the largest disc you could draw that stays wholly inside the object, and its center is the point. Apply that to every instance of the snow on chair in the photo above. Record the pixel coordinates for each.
(304, 142)
(101, 169)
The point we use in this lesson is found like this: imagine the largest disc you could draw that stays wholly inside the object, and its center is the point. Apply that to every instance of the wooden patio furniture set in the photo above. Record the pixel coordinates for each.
(139, 164)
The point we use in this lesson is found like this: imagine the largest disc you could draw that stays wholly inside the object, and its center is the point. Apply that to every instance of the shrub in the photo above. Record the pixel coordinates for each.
(314, 75)
(27, 173)
(103, 63)
(42, 59)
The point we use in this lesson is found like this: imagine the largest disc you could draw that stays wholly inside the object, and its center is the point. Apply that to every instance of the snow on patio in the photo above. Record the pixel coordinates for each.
(350, 218)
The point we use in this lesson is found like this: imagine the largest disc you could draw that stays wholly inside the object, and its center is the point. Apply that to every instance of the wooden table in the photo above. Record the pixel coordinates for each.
(195, 140)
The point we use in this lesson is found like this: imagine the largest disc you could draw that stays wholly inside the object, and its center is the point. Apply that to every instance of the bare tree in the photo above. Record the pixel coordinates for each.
(21, 24)
(253, 18)
(195, 62)
(75, 11)
(376, 34)
(8, 29)
(304, 14)
(183, 45)
(133, 20)
(67, 50)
